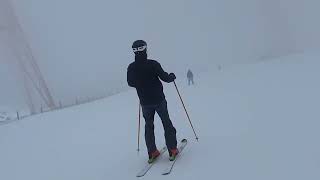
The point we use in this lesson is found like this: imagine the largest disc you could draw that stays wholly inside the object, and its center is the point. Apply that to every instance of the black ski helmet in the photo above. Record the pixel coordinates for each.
(139, 43)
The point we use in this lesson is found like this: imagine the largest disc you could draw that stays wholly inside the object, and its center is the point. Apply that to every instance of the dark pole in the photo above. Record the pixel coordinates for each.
(186, 111)
(139, 128)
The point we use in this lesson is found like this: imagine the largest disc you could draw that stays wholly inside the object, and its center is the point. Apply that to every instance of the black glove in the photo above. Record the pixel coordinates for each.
(172, 76)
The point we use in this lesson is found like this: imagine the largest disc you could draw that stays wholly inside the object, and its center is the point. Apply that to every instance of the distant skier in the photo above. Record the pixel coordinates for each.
(190, 77)
(144, 74)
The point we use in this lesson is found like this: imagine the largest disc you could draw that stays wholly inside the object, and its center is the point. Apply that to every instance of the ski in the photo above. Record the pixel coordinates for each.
(181, 146)
(148, 166)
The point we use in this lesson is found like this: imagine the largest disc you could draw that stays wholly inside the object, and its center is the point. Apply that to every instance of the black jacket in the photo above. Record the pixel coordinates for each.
(144, 76)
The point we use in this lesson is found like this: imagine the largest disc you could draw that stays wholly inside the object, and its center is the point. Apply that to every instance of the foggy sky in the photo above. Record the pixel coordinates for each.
(83, 47)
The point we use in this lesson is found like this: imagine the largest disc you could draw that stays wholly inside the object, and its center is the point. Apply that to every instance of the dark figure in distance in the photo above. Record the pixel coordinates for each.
(190, 77)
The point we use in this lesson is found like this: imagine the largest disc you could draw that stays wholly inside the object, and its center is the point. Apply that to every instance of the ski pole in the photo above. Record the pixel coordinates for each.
(186, 111)
(139, 128)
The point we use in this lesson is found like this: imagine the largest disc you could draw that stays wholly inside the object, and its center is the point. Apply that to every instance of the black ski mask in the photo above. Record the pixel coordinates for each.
(140, 50)
(141, 56)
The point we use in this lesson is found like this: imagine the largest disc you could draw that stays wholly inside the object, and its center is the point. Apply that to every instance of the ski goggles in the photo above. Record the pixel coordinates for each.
(139, 49)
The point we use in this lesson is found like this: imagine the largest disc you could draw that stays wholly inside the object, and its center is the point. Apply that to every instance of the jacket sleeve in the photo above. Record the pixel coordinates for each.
(130, 77)
(164, 76)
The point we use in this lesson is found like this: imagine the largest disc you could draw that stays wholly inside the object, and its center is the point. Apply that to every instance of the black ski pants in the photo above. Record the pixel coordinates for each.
(169, 131)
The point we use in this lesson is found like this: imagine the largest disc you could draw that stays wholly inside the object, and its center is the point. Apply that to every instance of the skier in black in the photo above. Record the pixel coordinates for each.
(143, 74)
(190, 77)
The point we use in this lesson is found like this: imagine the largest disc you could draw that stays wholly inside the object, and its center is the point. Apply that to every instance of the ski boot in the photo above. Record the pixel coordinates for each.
(173, 153)
(153, 156)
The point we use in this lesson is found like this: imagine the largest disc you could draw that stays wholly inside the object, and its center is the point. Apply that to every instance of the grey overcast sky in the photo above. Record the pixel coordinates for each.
(83, 47)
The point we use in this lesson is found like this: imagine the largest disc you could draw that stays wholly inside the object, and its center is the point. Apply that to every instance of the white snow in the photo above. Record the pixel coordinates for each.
(255, 121)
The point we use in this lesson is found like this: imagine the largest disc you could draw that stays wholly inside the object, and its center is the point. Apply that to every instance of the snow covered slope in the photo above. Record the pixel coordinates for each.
(254, 121)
